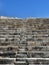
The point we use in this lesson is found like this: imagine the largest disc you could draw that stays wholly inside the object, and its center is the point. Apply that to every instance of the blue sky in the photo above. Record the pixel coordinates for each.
(24, 8)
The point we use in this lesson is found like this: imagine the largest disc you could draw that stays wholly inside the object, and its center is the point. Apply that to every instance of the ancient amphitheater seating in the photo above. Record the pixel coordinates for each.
(24, 42)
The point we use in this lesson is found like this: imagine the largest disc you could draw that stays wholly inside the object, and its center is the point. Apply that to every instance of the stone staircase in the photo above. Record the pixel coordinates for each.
(24, 41)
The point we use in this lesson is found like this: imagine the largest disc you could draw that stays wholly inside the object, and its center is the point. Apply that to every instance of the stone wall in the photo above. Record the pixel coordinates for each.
(24, 41)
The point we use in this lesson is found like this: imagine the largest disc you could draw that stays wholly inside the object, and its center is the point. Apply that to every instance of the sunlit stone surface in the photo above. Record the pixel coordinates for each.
(24, 41)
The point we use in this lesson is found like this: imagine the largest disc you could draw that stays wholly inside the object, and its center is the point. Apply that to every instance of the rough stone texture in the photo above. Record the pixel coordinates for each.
(23, 40)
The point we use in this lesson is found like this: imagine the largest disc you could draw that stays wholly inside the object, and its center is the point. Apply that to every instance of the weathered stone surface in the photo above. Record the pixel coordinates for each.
(21, 39)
